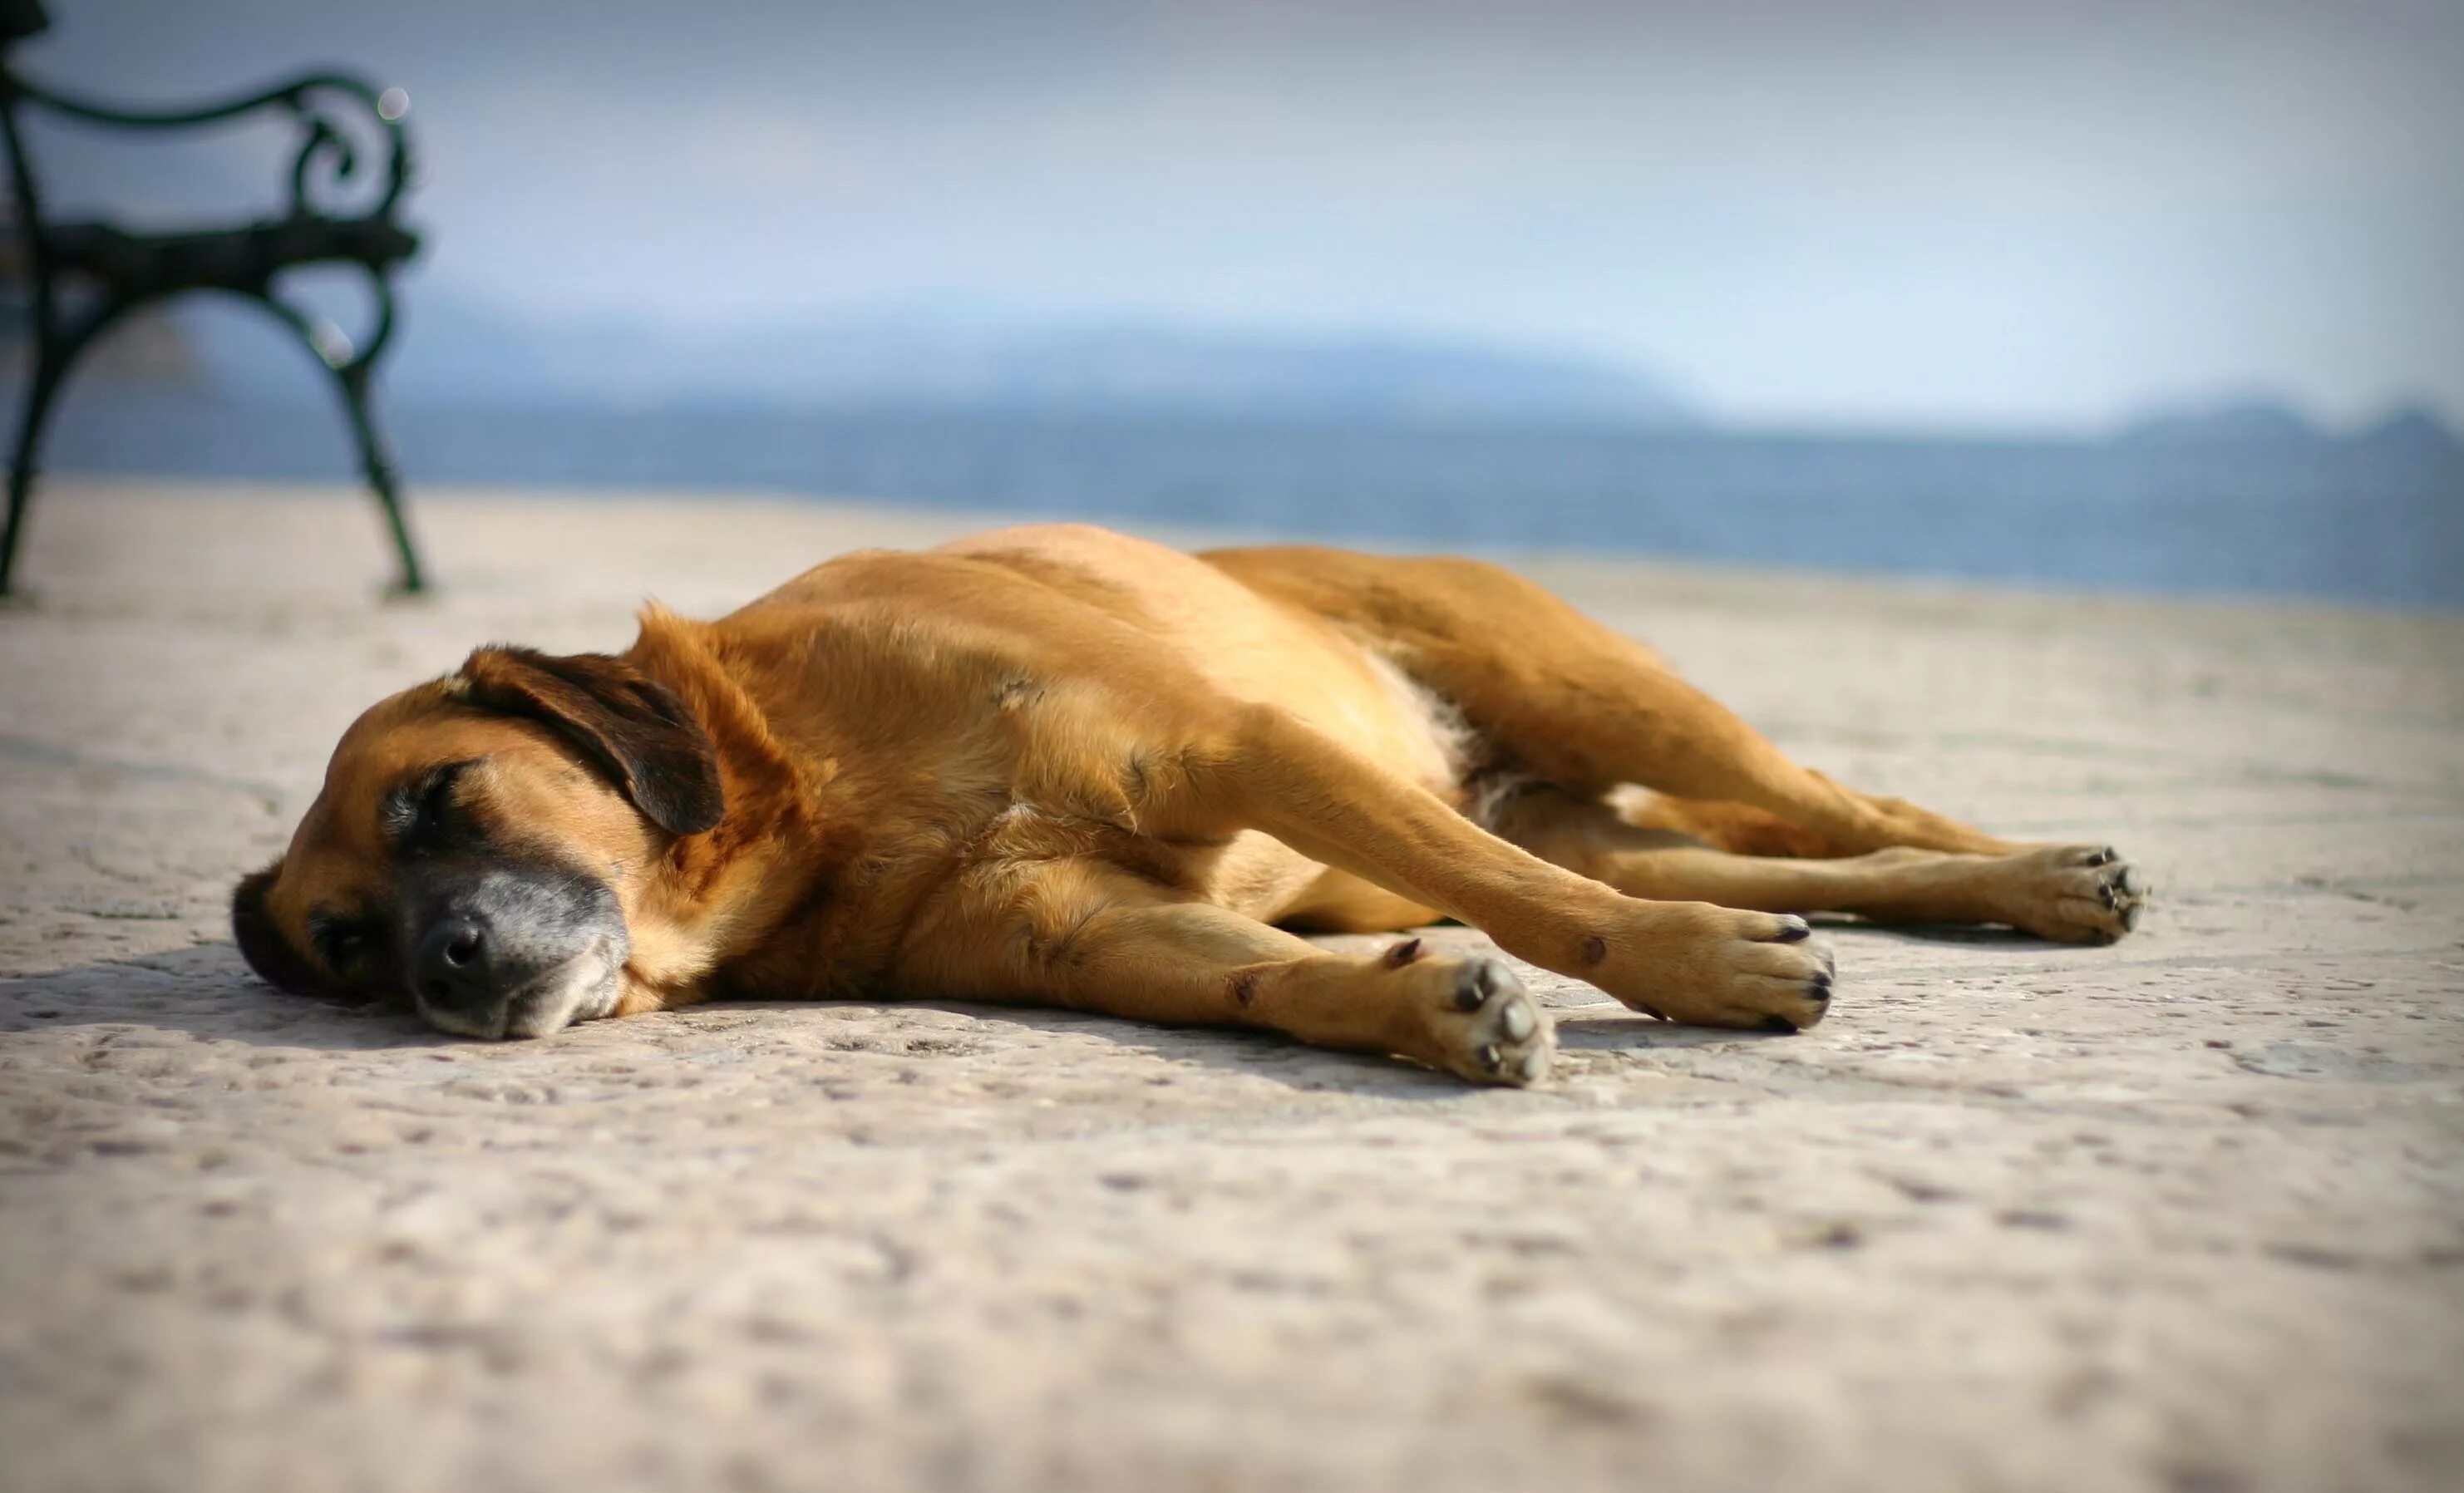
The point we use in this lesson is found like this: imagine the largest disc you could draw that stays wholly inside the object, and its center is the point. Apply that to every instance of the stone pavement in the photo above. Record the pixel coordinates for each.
(2184, 1213)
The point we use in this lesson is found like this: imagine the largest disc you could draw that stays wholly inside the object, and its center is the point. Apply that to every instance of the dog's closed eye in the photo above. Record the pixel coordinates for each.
(420, 813)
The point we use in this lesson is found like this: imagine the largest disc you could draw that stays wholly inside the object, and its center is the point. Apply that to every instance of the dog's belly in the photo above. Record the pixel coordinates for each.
(1261, 877)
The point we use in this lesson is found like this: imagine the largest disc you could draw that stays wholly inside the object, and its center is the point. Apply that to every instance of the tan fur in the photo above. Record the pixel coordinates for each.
(1057, 764)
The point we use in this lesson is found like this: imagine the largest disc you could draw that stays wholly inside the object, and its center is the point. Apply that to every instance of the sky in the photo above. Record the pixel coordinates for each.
(2000, 214)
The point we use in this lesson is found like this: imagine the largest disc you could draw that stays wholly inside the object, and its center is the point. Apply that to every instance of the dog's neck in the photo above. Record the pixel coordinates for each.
(782, 845)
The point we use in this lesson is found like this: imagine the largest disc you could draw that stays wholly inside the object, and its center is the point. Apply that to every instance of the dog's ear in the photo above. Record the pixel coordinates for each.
(630, 726)
(262, 944)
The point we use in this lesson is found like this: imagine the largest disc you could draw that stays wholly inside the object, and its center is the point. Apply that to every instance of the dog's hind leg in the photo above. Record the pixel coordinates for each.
(1578, 704)
(2073, 894)
(1086, 934)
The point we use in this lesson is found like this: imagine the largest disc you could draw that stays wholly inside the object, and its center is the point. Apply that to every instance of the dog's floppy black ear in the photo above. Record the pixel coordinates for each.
(629, 725)
(261, 944)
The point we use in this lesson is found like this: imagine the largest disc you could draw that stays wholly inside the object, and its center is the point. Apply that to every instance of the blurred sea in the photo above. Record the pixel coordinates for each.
(2340, 520)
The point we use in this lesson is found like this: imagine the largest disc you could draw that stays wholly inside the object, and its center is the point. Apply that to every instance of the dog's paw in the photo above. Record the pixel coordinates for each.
(1715, 966)
(2073, 894)
(1477, 1020)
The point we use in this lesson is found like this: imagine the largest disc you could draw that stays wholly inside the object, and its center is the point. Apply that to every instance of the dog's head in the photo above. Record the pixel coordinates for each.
(479, 844)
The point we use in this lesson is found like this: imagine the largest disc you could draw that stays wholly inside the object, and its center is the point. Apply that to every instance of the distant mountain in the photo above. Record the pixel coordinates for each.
(2411, 433)
(2416, 434)
(2244, 420)
(455, 354)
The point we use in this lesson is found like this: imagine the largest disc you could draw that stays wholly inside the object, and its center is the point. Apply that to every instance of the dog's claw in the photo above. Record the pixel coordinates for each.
(2082, 894)
(1471, 993)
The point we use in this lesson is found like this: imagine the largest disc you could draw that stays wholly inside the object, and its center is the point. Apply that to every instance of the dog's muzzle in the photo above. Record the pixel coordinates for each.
(504, 951)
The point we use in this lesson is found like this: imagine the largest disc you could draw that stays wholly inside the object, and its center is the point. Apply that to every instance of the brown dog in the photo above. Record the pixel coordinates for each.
(1056, 764)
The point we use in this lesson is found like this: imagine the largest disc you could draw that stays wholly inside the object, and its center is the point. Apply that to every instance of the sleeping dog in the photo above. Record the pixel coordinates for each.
(1060, 765)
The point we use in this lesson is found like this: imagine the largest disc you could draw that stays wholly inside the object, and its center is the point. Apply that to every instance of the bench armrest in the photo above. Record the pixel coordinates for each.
(319, 102)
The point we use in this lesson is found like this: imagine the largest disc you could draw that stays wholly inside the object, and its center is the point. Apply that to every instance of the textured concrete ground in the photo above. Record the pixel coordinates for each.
(2186, 1214)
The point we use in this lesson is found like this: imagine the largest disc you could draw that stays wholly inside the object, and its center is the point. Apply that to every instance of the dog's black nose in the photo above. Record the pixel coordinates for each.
(453, 967)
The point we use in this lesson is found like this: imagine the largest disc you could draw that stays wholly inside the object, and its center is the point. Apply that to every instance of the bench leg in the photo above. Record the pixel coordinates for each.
(51, 368)
(352, 376)
(378, 464)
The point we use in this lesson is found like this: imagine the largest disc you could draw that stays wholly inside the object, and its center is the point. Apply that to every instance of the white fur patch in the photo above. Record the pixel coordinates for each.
(1465, 764)
(1459, 747)
(1489, 792)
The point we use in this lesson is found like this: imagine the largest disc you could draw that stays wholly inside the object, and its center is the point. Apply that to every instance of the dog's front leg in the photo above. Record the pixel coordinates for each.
(1691, 961)
(1088, 935)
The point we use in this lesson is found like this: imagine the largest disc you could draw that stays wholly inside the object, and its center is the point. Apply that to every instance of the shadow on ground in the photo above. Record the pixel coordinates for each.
(206, 992)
